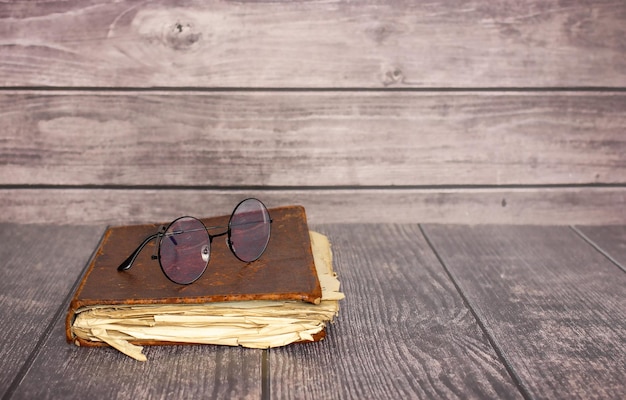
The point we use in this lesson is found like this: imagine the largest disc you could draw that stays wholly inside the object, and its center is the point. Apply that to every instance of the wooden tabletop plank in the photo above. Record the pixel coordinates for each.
(40, 265)
(312, 139)
(65, 371)
(62, 370)
(611, 240)
(552, 304)
(402, 331)
(543, 206)
(371, 44)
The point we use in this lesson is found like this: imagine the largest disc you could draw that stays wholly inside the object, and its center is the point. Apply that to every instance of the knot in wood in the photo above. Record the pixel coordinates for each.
(181, 36)
(393, 76)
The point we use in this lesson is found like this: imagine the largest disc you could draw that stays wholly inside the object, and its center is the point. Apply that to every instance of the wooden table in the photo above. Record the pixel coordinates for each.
(432, 311)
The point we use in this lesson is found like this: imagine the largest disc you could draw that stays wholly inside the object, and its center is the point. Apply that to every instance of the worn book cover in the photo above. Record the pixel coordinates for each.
(285, 296)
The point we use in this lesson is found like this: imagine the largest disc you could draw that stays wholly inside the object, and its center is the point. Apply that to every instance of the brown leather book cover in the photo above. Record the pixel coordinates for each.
(286, 271)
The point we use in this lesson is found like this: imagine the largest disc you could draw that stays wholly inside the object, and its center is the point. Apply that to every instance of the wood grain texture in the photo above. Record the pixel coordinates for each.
(40, 264)
(402, 332)
(370, 44)
(193, 372)
(611, 240)
(312, 138)
(593, 206)
(553, 305)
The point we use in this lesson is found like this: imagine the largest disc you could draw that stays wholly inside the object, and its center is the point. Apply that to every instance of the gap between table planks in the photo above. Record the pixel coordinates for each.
(553, 305)
(403, 330)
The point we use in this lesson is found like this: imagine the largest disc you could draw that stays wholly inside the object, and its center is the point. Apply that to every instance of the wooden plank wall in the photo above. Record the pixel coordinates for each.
(367, 111)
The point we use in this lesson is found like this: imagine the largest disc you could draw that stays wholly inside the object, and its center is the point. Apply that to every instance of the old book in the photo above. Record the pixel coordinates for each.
(288, 295)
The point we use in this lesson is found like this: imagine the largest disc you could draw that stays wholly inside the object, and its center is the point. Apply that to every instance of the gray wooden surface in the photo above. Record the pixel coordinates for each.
(359, 139)
(554, 307)
(481, 112)
(432, 311)
(370, 44)
(580, 205)
(40, 265)
(403, 332)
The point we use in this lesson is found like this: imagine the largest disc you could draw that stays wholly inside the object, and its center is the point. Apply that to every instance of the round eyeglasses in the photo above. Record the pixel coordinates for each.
(185, 244)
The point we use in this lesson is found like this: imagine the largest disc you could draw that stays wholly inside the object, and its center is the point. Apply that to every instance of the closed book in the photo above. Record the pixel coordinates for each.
(288, 295)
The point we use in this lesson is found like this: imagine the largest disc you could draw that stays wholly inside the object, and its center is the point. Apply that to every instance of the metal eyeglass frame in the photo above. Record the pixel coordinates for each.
(128, 263)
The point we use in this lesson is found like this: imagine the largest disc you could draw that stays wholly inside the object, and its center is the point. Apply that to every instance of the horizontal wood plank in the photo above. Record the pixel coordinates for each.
(611, 240)
(592, 206)
(371, 44)
(312, 139)
(552, 304)
(403, 331)
(40, 264)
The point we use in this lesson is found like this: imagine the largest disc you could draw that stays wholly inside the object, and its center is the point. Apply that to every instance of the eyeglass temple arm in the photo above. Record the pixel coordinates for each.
(126, 264)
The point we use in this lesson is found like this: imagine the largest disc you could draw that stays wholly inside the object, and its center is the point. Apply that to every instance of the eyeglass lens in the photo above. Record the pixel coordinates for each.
(249, 230)
(184, 250)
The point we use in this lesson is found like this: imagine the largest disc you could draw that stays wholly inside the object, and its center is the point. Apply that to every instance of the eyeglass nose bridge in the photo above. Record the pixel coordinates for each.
(227, 240)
